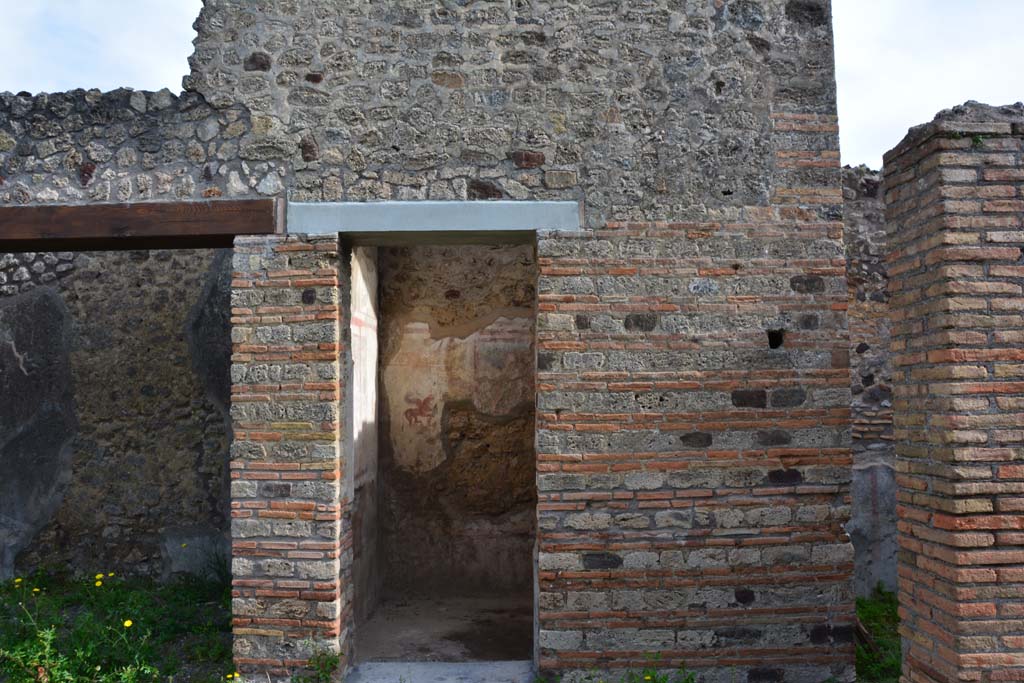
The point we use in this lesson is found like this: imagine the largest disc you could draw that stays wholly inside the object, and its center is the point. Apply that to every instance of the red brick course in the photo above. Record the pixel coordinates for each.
(290, 517)
(694, 506)
(953, 194)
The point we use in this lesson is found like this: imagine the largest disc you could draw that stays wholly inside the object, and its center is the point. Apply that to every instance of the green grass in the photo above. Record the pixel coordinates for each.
(61, 628)
(181, 632)
(879, 616)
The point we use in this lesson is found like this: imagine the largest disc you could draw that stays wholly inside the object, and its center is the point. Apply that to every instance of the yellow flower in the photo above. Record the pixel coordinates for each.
(99, 576)
(128, 623)
(17, 580)
(184, 545)
(98, 584)
(110, 574)
(35, 590)
(647, 678)
(229, 676)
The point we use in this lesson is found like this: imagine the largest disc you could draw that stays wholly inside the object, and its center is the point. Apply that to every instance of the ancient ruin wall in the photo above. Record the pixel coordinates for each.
(457, 419)
(141, 486)
(291, 458)
(86, 146)
(701, 139)
(954, 196)
(649, 111)
(873, 524)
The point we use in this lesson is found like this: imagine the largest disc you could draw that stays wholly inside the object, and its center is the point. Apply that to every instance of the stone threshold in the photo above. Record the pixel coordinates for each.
(442, 672)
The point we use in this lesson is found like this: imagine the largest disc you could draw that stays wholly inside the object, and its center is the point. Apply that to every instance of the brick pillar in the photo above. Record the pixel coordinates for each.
(954, 205)
(291, 541)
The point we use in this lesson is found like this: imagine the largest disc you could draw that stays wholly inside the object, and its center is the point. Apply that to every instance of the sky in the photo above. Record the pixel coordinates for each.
(55, 45)
(898, 62)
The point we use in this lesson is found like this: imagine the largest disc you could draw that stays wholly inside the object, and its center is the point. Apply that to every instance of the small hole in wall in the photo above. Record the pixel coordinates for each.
(727, 193)
(776, 338)
(719, 87)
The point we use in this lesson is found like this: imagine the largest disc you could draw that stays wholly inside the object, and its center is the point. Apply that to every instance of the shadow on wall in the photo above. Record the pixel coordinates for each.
(115, 455)
(37, 417)
(872, 526)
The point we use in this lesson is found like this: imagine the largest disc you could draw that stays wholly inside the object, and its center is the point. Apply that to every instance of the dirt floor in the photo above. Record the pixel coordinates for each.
(447, 630)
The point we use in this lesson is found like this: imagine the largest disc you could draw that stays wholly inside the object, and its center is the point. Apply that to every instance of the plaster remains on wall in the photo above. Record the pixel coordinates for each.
(37, 418)
(141, 484)
(457, 373)
(367, 573)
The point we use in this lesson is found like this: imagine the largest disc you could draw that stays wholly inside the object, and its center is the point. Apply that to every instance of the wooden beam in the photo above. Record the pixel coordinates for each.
(145, 225)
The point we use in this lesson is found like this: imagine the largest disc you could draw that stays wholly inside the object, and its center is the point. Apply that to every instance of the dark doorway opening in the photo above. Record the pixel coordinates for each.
(445, 494)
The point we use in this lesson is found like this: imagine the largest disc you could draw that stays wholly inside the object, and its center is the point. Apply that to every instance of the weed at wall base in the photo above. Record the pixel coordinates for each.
(57, 628)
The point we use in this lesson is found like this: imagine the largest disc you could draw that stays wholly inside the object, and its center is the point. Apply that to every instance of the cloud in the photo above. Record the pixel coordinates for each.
(899, 62)
(56, 45)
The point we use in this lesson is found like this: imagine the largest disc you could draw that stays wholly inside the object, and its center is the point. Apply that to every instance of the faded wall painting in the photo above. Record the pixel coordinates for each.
(457, 376)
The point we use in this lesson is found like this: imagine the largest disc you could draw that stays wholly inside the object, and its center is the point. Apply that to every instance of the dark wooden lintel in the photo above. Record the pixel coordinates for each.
(144, 225)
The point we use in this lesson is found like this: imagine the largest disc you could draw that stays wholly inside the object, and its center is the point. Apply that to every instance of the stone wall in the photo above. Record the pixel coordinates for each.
(291, 487)
(457, 419)
(873, 525)
(142, 364)
(86, 146)
(144, 489)
(693, 388)
(954, 194)
(658, 110)
(694, 449)
(23, 272)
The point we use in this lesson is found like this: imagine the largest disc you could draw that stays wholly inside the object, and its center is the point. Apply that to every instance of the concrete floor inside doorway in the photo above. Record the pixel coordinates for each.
(425, 629)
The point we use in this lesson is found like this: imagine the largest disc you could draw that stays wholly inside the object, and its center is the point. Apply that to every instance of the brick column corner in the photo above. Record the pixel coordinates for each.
(954, 207)
(291, 549)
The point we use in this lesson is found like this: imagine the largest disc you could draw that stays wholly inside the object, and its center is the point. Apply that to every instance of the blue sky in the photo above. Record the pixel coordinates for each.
(54, 45)
(898, 62)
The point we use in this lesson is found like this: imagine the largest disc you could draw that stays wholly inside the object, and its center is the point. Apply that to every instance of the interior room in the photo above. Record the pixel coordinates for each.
(442, 413)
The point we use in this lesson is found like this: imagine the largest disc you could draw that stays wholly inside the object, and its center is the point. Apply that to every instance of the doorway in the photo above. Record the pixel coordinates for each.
(442, 412)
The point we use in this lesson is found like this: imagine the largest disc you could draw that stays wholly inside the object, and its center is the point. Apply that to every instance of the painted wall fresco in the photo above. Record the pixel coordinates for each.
(457, 373)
